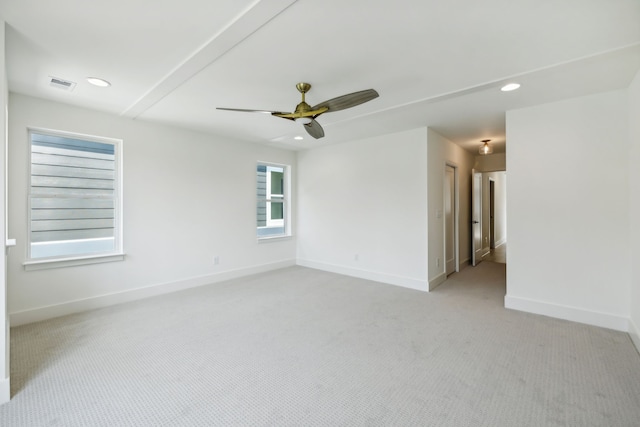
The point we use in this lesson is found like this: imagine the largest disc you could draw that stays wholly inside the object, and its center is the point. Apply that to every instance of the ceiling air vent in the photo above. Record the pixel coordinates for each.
(61, 83)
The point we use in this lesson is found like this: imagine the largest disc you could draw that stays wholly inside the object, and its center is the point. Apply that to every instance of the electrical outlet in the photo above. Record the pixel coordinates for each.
(356, 257)
(216, 260)
(437, 262)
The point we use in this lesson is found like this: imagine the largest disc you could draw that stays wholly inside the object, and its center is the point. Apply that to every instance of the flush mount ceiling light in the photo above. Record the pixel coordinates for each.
(485, 148)
(98, 82)
(509, 87)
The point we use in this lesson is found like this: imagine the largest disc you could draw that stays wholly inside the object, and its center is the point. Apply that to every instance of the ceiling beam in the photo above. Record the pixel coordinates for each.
(246, 23)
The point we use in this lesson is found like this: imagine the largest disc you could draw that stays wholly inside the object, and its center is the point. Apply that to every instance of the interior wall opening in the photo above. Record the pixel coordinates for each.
(494, 217)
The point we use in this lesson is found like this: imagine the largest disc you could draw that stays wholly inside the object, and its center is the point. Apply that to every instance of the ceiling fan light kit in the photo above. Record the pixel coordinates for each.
(306, 114)
(304, 120)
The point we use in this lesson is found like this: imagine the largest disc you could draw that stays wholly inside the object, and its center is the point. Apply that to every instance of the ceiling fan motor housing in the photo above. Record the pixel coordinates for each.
(303, 87)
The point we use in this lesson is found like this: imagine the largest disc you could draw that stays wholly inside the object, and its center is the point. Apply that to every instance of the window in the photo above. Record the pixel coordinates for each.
(74, 197)
(272, 208)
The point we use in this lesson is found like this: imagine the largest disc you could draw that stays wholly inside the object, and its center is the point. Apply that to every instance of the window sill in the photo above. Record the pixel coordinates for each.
(271, 239)
(44, 264)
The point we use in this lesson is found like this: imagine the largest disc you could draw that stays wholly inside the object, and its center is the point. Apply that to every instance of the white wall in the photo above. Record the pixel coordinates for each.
(634, 208)
(491, 162)
(441, 152)
(5, 389)
(366, 199)
(568, 210)
(187, 197)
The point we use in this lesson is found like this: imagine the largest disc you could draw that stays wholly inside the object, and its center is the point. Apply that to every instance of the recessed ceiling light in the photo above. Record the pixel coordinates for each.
(98, 82)
(298, 138)
(509, 87)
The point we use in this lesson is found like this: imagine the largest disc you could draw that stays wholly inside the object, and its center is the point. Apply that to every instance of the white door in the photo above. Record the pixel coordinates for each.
(476, 218)
(449, 220)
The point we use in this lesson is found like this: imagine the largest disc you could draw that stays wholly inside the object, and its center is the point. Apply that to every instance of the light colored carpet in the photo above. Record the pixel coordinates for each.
(301, 347)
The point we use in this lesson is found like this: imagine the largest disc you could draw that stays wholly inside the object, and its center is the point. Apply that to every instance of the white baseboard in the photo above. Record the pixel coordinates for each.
(574, 314)
(390, 279)
(5, 391)
(634, 333)
(437, 281)
(500, 242)
(76, 306)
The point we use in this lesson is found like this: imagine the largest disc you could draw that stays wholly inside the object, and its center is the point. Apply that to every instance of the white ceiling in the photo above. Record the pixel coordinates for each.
(435, 63)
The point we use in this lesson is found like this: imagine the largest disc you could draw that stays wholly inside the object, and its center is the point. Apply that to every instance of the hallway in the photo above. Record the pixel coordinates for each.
(498, 254)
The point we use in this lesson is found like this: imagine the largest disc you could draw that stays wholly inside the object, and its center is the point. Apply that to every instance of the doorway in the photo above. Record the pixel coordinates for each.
(477, 204)
(494, 229)
(492, 213)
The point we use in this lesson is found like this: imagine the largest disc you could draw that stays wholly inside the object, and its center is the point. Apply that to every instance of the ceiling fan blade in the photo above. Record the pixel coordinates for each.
(242, 110)
(348, 101)
(314, 129)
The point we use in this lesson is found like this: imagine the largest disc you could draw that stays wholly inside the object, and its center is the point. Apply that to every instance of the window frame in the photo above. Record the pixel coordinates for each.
(285, 199)
(80, 258)
(277, 198)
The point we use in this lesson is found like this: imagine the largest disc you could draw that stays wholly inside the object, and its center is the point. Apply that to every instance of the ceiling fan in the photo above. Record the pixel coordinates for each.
(306, 114)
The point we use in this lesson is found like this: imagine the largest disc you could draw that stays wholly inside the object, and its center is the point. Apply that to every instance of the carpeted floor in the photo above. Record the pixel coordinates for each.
(301, 347)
